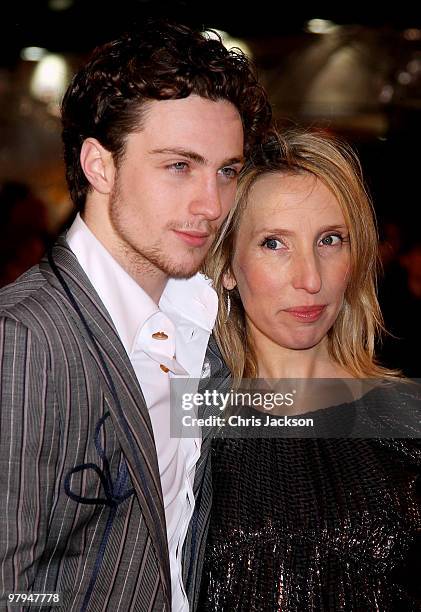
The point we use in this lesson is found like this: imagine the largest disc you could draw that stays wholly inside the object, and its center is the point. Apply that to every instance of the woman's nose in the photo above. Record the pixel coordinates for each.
(306, 272)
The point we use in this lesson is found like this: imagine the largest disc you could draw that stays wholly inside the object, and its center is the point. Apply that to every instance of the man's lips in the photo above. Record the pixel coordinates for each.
(193, 237)
(306, 313)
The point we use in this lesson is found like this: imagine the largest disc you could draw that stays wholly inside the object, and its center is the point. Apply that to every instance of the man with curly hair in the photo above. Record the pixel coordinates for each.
(97, 497)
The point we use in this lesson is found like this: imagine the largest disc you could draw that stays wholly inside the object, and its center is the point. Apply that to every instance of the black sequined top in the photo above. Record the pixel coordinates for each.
(314, 525)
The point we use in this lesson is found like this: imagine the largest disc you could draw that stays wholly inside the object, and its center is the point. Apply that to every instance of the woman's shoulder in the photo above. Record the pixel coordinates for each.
(371, 408)
(390, 413)
(397, 401)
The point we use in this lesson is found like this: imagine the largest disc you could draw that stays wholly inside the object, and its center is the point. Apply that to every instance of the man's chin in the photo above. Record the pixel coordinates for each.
(182, 271)
(184, 266)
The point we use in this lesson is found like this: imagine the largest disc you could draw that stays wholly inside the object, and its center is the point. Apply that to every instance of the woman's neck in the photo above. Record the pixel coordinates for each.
(275, 361)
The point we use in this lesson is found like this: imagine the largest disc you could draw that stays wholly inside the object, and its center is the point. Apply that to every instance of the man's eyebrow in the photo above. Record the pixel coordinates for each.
(234, 160)
(193, 156)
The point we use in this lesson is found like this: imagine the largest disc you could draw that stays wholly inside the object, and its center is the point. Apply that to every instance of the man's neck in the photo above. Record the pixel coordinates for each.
(144, 273)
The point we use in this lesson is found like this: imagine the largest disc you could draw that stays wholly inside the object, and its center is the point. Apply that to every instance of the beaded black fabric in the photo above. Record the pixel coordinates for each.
(314, 525)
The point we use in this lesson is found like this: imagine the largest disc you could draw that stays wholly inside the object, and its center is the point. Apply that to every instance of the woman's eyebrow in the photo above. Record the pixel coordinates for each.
(284, 230)
(273, 230)
(288, 232)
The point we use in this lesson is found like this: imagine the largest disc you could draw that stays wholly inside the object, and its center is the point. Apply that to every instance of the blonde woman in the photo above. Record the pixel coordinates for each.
(322, 523)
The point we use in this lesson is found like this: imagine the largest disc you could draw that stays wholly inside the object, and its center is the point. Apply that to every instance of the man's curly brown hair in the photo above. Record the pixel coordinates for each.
(160, 61)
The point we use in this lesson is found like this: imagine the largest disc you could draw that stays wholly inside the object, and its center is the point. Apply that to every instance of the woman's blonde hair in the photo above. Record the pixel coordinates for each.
(351, 340)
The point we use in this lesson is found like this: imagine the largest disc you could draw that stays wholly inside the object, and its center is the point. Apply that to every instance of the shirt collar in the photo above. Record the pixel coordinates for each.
(191, 301)
(187, 302)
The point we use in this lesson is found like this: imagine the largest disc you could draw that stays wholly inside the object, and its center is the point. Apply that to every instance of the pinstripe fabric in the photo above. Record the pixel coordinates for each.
(58, 412)
(194, 548)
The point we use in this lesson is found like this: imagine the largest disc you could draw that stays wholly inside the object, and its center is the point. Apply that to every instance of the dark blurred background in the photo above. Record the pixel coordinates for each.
(353, 73)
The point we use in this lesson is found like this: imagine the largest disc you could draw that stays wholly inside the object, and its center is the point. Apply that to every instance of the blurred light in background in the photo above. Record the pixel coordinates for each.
(414, 66)
(50, 78)
(386, 93)
(60, 5)
(412, 34)
(33, 54)
(404, 78)
(321, 26)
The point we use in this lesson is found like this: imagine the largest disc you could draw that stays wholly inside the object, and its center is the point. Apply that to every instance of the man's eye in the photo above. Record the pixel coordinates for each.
(331, 240)
(230, 173)
(272, 243)
(179, 166)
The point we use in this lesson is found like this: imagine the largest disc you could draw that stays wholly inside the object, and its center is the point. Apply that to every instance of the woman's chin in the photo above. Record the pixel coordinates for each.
(304, 343)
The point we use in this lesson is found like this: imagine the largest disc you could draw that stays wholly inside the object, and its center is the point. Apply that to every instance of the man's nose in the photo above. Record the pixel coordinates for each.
(207, 200)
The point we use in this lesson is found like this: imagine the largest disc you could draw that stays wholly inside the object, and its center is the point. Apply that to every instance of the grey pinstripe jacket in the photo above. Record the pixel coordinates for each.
(81, 508)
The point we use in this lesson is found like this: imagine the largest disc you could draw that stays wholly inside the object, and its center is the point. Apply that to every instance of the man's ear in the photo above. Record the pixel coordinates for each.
(228, 280)
(98, 165)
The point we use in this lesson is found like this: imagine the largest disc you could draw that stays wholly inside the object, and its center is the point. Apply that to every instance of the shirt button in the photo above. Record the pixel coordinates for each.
(164, 368)
(160, 335)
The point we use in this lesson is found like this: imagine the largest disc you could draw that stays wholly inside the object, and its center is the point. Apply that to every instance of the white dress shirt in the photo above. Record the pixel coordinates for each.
(162, 342)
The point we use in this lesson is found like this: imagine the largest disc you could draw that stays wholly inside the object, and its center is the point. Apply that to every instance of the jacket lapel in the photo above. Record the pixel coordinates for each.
(194, 548)
(124, 395)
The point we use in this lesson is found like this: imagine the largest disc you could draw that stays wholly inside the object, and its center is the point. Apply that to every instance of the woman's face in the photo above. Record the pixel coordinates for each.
(291, 260)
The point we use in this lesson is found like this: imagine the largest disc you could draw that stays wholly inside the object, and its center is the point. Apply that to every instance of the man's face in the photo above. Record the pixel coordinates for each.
(176, 184)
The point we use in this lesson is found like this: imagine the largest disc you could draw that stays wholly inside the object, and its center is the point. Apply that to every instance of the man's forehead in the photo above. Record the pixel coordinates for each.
(200, 127)
(191, 111)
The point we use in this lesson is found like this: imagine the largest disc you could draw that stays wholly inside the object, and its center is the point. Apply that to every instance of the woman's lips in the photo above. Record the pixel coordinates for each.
(193, 238)
(307, 314)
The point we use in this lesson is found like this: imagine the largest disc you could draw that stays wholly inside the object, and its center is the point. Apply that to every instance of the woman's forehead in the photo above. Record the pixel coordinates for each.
(290, 196)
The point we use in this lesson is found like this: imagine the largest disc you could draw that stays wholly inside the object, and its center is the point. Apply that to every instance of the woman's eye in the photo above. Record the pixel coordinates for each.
(272, 243)
(331, 240)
